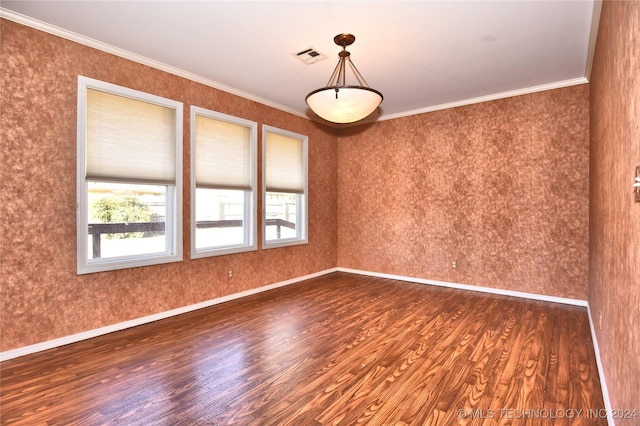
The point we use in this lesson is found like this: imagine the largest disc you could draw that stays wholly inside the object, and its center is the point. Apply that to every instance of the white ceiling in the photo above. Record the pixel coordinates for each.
(422, 55)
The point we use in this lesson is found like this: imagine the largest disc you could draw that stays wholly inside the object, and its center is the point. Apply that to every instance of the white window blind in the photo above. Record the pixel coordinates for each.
(223, 154)
(284, 164)
(129, 139)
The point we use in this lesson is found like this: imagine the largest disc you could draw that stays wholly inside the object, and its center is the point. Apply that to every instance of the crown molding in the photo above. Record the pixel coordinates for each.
(86, 41)
(69, 35)
(493, 97)
(593, 36)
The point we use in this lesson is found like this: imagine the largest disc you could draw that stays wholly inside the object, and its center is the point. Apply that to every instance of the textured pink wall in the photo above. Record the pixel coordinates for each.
(42, 297)
(614, 273)
(500, 187)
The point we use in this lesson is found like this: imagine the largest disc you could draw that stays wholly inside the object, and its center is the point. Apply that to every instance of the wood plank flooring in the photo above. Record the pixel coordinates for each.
(340, 349)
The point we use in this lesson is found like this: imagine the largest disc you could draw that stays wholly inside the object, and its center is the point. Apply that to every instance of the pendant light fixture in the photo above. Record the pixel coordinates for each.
(338, 101)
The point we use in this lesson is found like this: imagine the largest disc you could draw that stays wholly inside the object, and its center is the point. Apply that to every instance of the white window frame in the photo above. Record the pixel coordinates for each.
(173, 219)
(250, 199)
(302, 202)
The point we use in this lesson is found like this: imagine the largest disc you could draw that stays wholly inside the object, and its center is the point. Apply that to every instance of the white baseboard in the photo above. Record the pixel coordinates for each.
(50, 344)
(534, 296)
(603, 384)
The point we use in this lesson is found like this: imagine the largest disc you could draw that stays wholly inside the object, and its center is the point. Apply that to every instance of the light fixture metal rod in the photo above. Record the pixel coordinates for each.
(333, 80)
(359, 76)
(344, 56)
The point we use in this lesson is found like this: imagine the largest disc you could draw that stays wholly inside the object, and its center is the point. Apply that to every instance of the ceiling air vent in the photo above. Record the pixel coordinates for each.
(309, 56)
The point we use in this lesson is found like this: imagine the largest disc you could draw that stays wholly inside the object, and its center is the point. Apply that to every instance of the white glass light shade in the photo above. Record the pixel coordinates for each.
(351, 104)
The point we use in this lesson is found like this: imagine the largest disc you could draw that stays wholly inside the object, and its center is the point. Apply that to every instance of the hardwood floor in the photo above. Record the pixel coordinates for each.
(338, 349)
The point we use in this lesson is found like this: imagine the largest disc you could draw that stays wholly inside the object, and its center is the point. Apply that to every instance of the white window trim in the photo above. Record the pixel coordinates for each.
(173, 218)
(302, 206)
(251, 199)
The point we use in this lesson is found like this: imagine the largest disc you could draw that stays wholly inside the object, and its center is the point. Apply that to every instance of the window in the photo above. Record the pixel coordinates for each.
(285, 187)
(223, 176)
(129, 172)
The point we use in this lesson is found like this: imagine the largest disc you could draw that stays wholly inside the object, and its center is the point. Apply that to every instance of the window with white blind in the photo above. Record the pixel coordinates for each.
(223, 179)
(129, 178)
(284, 187)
